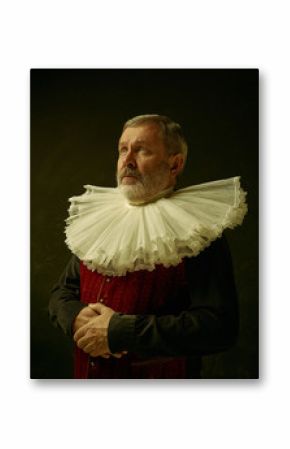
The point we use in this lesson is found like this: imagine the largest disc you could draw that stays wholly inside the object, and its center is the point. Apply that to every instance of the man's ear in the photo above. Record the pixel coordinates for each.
(176, 164)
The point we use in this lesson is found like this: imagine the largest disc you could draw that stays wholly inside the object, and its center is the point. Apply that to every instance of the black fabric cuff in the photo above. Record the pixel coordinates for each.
(121, 333)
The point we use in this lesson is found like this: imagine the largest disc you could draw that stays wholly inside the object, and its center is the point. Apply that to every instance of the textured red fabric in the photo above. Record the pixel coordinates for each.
(140, 292)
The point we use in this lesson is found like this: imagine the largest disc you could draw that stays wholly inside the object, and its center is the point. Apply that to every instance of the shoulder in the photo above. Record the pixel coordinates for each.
(217, 252)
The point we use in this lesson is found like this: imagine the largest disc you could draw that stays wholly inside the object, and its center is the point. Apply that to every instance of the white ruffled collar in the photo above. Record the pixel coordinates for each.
(114, 237)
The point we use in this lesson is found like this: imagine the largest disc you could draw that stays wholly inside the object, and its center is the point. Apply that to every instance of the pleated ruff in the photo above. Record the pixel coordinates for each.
(114, 237)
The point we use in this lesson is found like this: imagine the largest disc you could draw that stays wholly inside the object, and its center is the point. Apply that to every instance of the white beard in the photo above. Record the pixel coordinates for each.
(146, 186)
(133, 192)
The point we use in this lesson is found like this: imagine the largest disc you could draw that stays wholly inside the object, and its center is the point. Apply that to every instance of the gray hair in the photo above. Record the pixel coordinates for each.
(171, 132)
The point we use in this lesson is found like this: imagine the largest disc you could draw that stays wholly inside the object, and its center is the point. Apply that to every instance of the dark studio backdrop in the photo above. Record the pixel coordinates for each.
(76, 120)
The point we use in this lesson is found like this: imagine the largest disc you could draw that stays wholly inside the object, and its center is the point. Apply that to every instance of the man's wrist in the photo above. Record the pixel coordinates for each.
(121, 332)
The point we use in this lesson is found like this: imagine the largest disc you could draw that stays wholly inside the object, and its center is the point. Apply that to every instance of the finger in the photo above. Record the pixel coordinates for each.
(92, 307)
(98, 307)
(85, 340)
(96, 352)
(80, 332)
(89, 349)
(88, 311)
(117, 355)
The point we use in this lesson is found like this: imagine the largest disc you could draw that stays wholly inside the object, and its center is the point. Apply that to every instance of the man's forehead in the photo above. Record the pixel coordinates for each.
(124, 139)
(140, 134)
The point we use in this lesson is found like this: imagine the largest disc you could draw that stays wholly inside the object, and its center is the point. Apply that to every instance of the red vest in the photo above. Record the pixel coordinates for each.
(140, 292)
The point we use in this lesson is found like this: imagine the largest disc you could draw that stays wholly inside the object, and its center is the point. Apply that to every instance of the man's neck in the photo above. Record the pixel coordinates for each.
(150, 199)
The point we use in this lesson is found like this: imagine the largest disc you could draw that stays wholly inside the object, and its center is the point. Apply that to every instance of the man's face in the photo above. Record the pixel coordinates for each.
(143, 168)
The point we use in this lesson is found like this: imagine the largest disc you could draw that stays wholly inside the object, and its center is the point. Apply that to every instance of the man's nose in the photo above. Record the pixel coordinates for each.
(129, 160)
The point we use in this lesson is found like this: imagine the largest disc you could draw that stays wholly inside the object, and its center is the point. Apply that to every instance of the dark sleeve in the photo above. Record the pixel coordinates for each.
(208, 325)
(64, 303)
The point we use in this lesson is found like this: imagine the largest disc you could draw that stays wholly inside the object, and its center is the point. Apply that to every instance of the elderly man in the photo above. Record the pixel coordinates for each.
(149, 288)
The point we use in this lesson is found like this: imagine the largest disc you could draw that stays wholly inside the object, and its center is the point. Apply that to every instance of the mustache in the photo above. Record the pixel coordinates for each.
(130, 172)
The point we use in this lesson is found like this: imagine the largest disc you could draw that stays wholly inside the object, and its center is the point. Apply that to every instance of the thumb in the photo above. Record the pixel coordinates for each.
(98, 307)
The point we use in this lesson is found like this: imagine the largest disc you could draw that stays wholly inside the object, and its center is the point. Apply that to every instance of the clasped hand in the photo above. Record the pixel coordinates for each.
(91, 330)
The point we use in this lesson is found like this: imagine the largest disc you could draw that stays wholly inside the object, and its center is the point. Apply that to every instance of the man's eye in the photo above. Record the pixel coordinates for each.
(122, 150)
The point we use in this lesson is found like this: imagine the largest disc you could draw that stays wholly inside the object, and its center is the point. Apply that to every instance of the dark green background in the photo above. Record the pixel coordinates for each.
(76, 120)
